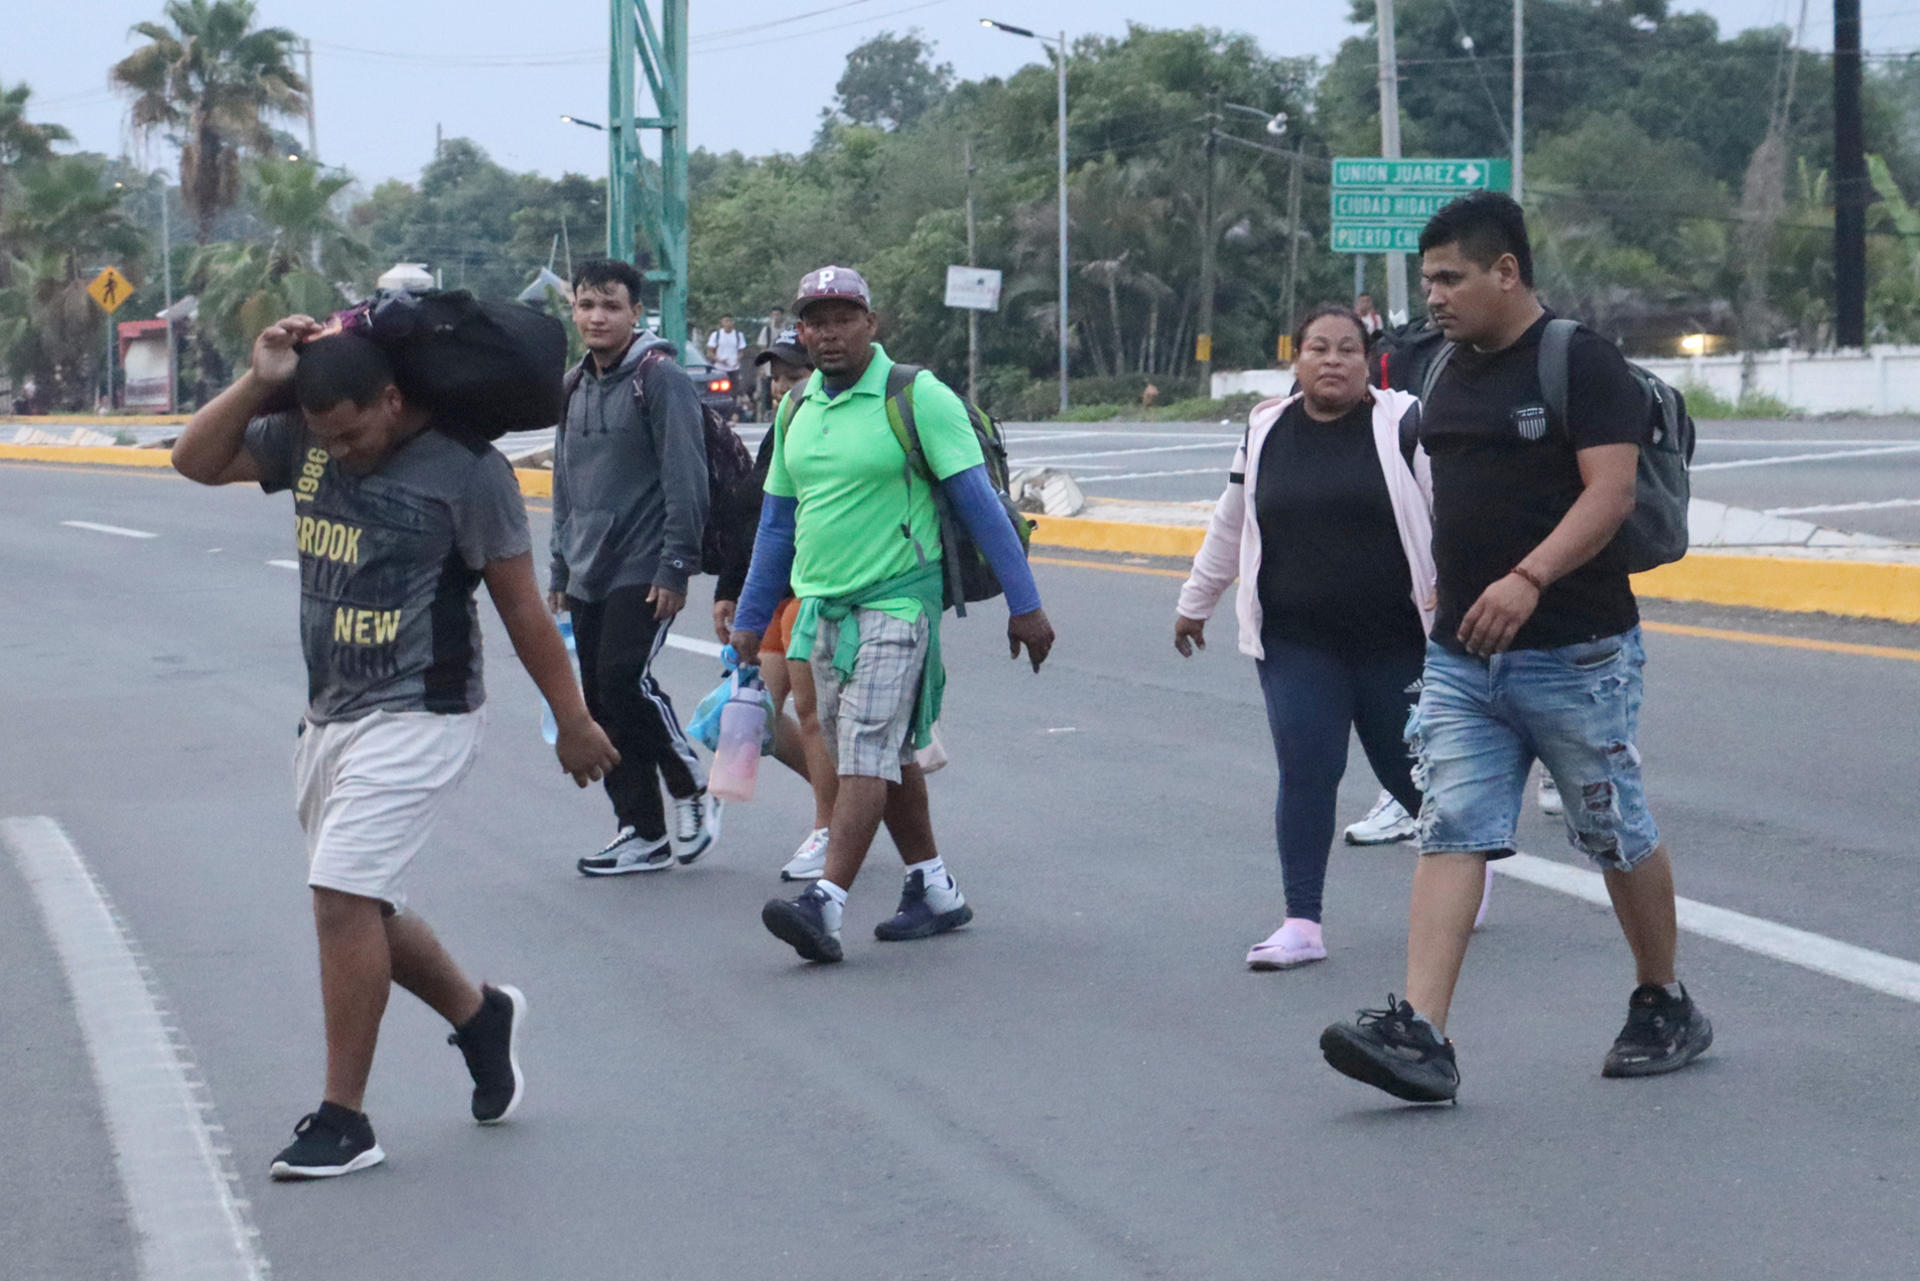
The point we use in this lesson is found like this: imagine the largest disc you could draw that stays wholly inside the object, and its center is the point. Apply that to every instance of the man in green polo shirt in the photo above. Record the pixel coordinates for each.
(857, 529)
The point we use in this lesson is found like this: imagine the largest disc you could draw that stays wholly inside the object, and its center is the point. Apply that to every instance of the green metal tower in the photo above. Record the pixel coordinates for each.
(647, 198)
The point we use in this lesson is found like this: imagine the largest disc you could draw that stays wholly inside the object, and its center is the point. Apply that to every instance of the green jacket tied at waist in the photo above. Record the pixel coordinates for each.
(922, 585)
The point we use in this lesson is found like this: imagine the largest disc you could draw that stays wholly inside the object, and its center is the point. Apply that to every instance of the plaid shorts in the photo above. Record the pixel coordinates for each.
(868, 721)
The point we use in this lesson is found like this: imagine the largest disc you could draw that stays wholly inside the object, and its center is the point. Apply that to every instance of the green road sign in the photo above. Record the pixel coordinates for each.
(1380, 205)
(1392, 238)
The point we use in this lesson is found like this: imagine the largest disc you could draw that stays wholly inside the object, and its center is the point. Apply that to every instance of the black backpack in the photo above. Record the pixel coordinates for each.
(969, 575)
(1400, 357)
(483, 368)
(1655, 533)
(733, 499)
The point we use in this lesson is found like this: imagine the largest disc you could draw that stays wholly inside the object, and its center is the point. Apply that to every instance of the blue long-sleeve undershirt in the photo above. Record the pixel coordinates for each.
(974, 502)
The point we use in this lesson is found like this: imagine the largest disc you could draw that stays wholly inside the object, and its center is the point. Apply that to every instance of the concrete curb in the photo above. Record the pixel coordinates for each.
(1856, 587)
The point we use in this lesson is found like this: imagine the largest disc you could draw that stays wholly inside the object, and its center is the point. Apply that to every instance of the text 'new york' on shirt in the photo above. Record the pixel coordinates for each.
(389, 563)
(1505, 475)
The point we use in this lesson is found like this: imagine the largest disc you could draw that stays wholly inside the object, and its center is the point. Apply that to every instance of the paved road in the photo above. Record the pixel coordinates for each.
(1085, 1083)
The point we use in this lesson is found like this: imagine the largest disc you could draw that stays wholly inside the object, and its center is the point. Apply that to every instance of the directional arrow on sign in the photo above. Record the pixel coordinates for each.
(1471, 175)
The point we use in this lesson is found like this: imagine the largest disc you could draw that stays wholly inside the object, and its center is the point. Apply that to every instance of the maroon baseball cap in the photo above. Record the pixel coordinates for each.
(832, 282)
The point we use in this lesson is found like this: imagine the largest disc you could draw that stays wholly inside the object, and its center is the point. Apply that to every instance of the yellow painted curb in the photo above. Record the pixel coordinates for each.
(99, 455)
(1854, 588)
(1859, 588)
(1130, 537)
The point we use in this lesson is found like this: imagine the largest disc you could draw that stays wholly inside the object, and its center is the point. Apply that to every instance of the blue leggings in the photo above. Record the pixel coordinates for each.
(1313, 697)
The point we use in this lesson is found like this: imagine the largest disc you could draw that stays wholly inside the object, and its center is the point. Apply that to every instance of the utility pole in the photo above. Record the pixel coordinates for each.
(973, 313)
(1061, 106)
(1849, 182)
(1519, 93)
(1390, 147)
(166, 273)
(1203, 331)
(313, 135)
(641, 195)
(1293, 238)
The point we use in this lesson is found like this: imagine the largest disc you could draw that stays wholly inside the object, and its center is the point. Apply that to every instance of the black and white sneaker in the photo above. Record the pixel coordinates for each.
(328, 1143)
(1663, 1033)
(628, 852)
(925, 910)
(696, 825)
(491, 1042)
(1396, 1051)
(810, 923)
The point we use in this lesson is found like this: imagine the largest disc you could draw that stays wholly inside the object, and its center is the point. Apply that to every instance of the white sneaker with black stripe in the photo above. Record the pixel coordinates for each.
(626, 853)
(696, 825)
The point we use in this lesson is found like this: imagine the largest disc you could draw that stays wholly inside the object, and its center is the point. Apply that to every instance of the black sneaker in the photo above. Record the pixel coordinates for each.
(491, 1042)
(1663, 1034)
(327, 1143)
(628, 852)
(1395, 1051)
(811, 923)
(925, 912)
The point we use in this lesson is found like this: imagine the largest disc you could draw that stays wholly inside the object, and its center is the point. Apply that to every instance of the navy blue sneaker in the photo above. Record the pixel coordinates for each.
(1395, 1051)
(925, 910)
(810, 923)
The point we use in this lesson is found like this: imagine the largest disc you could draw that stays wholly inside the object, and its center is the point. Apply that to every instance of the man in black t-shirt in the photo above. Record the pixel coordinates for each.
(1535, 652)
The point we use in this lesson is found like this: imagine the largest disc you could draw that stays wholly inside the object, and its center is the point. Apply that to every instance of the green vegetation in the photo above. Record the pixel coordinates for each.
(1677, 183)
(1704, 402)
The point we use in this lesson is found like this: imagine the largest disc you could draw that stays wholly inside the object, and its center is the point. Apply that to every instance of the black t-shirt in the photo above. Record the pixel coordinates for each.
(1504, 476)
(1332, 571)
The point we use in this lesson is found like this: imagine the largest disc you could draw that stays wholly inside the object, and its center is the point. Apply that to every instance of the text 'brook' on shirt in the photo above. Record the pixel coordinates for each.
(1504, 476)
(859, 519)
(1332, 572)
(389, 563)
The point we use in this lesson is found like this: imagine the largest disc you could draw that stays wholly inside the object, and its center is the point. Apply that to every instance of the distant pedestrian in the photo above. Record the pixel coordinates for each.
(724, 347)
(1370, 321)
(797, 741)
(398, 521)
(770, 334)
(854, 522)
(629, 508)
(1327, 523)
(1535, 651)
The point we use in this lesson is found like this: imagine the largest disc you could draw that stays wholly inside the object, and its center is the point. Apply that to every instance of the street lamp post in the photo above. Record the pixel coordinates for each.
(1059, 44)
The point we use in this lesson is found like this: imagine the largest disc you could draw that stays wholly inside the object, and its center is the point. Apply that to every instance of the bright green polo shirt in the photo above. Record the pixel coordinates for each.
(844, 467)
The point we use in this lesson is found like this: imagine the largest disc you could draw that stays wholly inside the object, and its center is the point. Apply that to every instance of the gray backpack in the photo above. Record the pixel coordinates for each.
(1656, 531)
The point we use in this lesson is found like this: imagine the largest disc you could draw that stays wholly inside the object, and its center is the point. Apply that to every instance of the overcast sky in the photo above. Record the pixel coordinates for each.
(386, 72)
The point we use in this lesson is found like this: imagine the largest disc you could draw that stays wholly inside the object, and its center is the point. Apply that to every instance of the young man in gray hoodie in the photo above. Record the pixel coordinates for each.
(629, 507)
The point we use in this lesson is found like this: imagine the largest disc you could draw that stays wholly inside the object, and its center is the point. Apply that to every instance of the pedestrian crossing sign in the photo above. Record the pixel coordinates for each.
(110, 289)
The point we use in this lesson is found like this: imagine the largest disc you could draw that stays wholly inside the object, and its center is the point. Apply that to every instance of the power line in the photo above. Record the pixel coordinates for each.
(815, 31)
(777, 22)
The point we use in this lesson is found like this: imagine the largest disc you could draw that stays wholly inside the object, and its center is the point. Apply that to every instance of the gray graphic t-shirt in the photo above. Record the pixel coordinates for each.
(388, 566)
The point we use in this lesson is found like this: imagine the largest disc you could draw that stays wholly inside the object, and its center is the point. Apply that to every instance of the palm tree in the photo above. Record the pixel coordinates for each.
(215, 81)
(64, 223)
(22, 142)
(244, 286)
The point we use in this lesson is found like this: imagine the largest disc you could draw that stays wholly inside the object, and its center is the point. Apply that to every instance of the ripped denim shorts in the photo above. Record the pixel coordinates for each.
(1481, 723)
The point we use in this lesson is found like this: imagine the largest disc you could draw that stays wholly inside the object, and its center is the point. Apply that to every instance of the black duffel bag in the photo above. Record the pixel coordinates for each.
(487, 368)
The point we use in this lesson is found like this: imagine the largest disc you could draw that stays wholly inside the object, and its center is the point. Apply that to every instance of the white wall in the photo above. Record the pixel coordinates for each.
(1879, 380)
(1261, 382)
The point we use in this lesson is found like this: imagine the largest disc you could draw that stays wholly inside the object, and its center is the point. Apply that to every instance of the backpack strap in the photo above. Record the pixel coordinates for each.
(1434, 370)
(1410, 434)
(900, 417)
(1556, 345)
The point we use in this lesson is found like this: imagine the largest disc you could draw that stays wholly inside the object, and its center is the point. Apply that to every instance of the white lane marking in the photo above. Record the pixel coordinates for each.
(1151, 475)
(705, 648)
(1147, 449)
(1807, 458)
(1844, 507)
(1799, 442)
(1875, 971)
(284, 564)
(1120, 434)
(108, 529)
(190, 1224)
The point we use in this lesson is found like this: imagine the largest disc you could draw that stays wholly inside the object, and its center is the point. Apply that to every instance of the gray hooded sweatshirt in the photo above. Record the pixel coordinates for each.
(629, 480)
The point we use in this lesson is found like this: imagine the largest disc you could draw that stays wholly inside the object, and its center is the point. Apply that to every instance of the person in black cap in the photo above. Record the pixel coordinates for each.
(797, 742)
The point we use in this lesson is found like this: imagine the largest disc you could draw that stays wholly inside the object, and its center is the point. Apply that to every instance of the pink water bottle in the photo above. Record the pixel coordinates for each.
(743, 726)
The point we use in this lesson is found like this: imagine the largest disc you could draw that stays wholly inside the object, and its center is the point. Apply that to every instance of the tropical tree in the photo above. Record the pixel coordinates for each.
(298, 265)
(214, 81)
(22, 141)
(63, 224)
